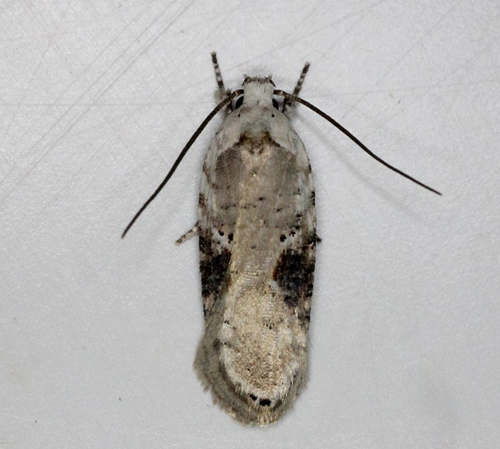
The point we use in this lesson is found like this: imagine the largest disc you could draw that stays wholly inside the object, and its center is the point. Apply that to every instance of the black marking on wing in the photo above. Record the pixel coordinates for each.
(294, 273)
(214, 266)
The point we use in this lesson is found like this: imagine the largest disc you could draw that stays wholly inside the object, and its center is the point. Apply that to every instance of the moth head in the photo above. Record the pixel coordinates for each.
(257, 90)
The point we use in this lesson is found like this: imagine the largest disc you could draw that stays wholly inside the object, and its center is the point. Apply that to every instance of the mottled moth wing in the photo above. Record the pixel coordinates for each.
(257, 230)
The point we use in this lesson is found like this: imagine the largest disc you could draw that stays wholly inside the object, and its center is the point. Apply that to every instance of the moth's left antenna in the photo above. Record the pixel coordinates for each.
(205, 122)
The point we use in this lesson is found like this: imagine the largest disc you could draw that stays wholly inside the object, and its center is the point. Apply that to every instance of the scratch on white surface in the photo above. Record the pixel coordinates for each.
(79, 115)
(360, 16)
(399, 60)
(35, 72)
(438, 84)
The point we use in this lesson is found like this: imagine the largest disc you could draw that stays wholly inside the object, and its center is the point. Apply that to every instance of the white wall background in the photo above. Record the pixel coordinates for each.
(98, 335)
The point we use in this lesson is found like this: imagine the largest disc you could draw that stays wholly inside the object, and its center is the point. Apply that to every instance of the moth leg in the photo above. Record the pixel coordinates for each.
(222, 93)
(191, 233)
(298, 86)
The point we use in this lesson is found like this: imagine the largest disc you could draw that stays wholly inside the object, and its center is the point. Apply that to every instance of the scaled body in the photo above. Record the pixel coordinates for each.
(257, 237)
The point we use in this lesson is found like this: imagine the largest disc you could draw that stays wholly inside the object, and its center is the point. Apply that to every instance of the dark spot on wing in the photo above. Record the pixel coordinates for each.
(313, 198)
(262, 402)
(294, 273)
(214, 267)
(291, 300)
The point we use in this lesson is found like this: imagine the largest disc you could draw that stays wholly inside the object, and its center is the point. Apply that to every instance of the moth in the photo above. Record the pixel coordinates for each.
(257, 240)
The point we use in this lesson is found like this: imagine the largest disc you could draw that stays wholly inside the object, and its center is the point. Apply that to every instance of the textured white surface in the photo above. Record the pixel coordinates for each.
(98, 335)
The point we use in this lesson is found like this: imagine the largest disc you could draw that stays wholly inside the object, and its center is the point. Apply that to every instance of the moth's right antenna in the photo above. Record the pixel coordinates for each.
(298, 86)
(292, 98)
(205, 122)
